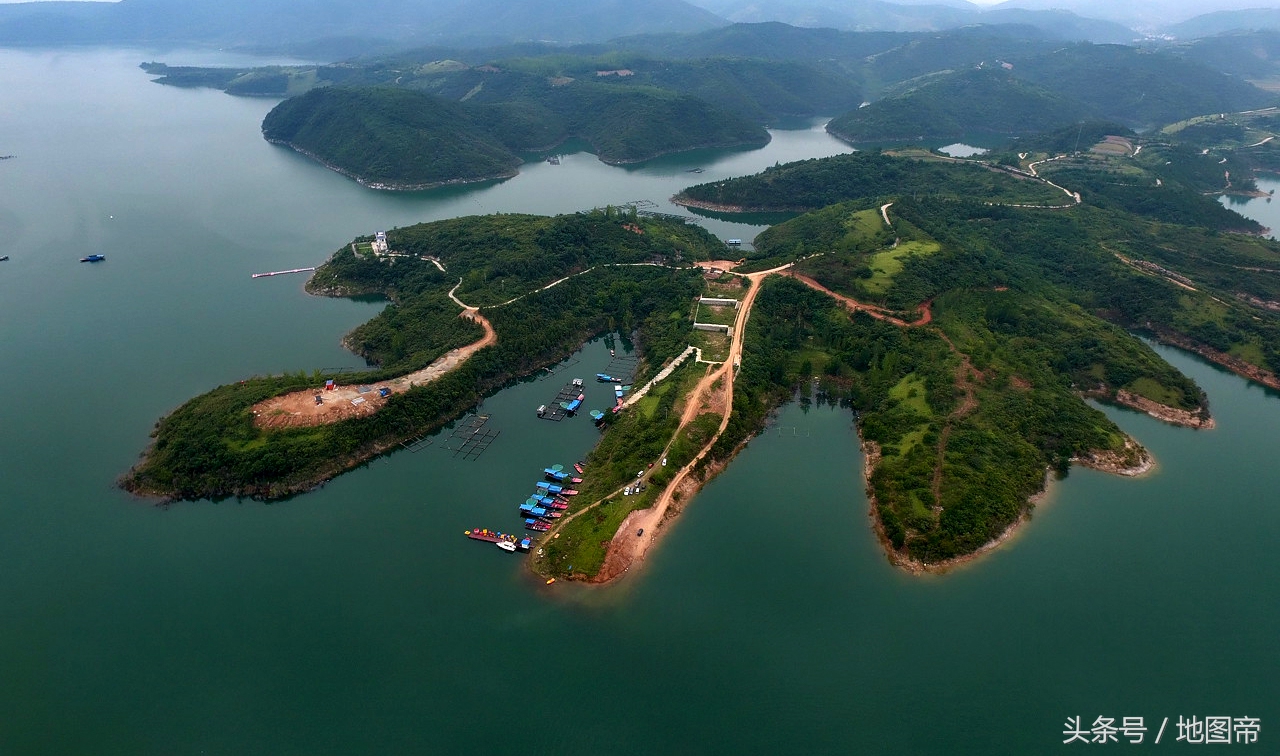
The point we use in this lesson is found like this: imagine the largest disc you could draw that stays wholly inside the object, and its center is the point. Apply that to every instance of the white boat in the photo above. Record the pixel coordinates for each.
(542, 410)
(507, 545)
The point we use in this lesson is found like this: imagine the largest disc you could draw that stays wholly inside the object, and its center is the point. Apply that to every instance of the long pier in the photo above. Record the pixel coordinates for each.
(282, 272)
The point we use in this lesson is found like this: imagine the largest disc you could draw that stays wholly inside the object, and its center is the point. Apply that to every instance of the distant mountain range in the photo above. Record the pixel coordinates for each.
(343, 28)
(1144, 15)
(1222, 22)
(877, 15)
(1042, 92)
(346, 24)
(335, 29)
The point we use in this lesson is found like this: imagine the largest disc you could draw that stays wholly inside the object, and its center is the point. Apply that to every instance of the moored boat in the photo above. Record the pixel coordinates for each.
(542, 410)
(569, 492)
(508, 546)
(93, 258)
(580, 467)
(484, 534)
(575, 480)
(532, 524)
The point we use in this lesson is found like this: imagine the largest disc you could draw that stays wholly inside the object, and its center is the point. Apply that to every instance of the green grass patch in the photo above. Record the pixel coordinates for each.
(1250, 353)
(887, 264)
(1153, 390)
(911, 440)
(727, 287)
(816, 359)
(911, 392)
(719, 314)
(714, 346)
(864, 222)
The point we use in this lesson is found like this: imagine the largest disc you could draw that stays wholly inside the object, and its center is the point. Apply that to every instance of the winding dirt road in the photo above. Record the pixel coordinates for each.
(299, 409)
(627, 547)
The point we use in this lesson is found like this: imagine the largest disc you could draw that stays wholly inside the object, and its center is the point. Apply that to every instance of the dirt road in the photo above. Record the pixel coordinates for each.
(299, 409)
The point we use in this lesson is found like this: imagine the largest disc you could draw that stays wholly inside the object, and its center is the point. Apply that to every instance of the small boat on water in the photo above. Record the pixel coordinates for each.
(532, 524)
(508, 546)
(525, 543)
(542, 410)
(579, 466)
(547, 501)
(596, 415)
(575, 480)
(4, 258)
(605, 378)
(93, 258)
(555, 475)
(549, 487)
(569, 492)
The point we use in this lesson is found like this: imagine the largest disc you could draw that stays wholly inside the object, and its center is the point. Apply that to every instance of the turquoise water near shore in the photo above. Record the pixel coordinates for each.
(358, 619)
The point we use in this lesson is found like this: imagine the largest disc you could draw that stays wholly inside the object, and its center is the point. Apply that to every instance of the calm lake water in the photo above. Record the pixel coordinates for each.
(357, 619)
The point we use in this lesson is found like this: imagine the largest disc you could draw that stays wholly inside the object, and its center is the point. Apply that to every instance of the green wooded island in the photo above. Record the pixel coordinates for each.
(968, 311)
(434, 116)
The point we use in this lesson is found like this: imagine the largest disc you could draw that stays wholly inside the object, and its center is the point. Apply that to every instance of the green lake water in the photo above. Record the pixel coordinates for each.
(358, 619)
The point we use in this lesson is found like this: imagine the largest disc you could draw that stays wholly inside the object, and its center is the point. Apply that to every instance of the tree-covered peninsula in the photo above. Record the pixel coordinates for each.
(619, 278)
(396, 138)
(968, 325)
(996, 321)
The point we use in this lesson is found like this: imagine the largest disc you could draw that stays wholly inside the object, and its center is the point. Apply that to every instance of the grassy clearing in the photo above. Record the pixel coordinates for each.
(887, 264)
(911, 440)
(810, 362)
(1151, 389)
(581, 545)
(911, 392)
(714, 346)
(727, 287)
(364, 248)
(1203, 310)
(864, 222)
(719, 314)
(1250, 353)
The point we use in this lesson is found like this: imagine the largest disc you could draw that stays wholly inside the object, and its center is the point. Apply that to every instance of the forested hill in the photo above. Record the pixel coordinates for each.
(390, 137)
(1039, 92)
(981, 101)
(1139, 87)
(398, 138)
(815, 183)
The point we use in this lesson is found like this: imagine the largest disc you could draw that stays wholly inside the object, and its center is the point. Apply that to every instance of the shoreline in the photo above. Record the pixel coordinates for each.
(1109, 462)
(1246, 370)
(392, 187)
(683, 201)
(1200, 420)
(678, 150)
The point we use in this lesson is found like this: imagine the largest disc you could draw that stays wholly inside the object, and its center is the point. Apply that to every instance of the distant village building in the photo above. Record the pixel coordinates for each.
(617, 72)
(488, 69)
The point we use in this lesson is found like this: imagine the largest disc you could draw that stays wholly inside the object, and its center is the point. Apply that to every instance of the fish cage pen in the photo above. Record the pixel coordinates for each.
(555, 410)
(470, 438)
